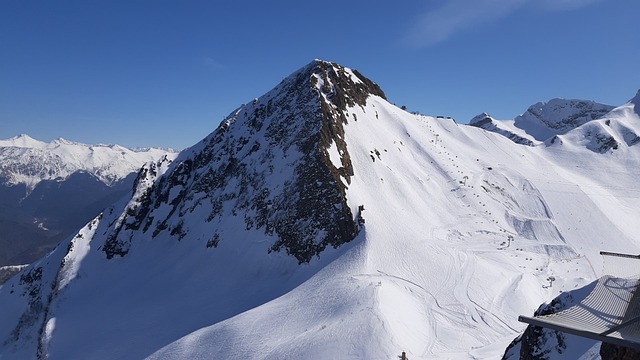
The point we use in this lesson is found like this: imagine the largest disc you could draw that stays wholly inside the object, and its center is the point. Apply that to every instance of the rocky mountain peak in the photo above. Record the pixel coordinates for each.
(481, 119)
(346, 86)
(558, 116)
(485, 121)
(268, 164)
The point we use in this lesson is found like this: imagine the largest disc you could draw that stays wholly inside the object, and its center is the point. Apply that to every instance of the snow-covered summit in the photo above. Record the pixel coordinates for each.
(294, 131)
(597, 127)
(24, 141)
(544, 120)
(618, 130)
(24, 160)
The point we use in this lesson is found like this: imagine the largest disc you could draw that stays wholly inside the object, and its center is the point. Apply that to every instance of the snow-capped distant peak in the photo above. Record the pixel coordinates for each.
(63, 141)
(598, 127)
(24, 160)
(23, 140)
(544, 120)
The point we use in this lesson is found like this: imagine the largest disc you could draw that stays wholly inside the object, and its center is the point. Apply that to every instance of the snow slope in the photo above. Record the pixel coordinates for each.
(436, 274)
(442, 235)
(604, 135)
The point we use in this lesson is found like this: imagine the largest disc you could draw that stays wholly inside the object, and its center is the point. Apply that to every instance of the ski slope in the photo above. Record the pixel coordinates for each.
(435, 274)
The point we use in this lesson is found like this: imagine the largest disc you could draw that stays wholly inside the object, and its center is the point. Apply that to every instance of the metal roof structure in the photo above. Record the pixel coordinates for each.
(610, 313)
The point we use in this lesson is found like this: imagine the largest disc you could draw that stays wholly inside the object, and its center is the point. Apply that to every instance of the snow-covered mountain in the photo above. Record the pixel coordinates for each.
(320, 221)
(27, 161)
(579, 122)
(544, 120)
(557, 116)
(49, 190)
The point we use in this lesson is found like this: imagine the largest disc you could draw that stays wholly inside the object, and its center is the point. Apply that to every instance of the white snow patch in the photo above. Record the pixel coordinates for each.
(334, 155)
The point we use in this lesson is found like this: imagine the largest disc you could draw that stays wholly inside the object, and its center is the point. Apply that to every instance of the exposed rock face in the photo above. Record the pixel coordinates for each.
(636, 103)
(485, 121)
(538, 343)
(267, 163)
(599, 136)
(616, 352)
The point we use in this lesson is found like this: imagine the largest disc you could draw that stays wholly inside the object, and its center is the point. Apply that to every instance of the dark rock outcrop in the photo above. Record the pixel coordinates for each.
(287, 131)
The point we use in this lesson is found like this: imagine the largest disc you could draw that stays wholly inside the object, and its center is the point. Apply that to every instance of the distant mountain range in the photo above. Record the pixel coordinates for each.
(581, 121)
(48, 190)
(319, 221)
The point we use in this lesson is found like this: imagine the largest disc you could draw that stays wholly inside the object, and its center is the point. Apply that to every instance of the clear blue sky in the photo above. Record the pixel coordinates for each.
(165, 73)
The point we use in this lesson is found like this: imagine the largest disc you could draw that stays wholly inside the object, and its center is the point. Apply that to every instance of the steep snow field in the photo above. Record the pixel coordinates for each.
(463, 231)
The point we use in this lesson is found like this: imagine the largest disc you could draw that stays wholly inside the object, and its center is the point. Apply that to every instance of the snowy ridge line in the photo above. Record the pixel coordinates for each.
(29, 161)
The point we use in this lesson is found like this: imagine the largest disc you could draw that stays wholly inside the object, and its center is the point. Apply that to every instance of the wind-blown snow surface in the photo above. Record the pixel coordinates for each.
(462, 230)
